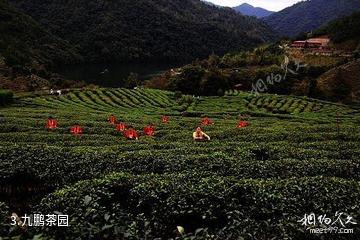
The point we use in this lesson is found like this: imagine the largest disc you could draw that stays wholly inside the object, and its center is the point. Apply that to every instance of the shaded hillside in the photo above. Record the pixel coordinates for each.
(210, 3)
(146, 29)
(341, 83)
(249, 10)
(260, 70)
(28, 52)
(24, 42)
(344, 30)
(309, 15)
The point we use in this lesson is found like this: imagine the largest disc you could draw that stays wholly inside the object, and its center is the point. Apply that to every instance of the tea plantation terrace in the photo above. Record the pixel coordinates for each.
(297, 156)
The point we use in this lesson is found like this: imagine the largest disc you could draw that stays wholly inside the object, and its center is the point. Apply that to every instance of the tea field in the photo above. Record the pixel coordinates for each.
(297, 156)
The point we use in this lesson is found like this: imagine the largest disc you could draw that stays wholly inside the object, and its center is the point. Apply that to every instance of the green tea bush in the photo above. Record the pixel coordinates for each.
(152, 206)
(69, 166)
(251, 183)
(6, 97)
(4, 219)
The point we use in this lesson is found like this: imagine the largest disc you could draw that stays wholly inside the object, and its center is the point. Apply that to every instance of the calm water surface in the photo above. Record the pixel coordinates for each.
(112, 75)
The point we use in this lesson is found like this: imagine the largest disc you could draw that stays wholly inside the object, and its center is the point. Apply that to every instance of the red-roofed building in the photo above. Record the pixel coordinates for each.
(312, 43)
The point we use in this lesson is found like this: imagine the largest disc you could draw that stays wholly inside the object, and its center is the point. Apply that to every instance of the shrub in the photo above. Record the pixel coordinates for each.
(178, 95)
(153, 205)
(220, 93)
(259, 179)
(4, 221)
(132, 81)
(6, 97)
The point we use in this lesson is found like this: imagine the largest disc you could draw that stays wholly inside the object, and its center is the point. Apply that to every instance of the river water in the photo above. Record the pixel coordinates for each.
(112, 75)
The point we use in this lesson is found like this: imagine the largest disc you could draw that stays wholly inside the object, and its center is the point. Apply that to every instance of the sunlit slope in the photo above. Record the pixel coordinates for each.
(281, 128)
(291, 144)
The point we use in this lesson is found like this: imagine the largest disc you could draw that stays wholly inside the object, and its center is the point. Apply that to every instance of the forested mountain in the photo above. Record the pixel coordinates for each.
(28, 53)
(342, 82)
(146, 29)
(210, 3)
(309, 15)
(342, 29)
(249, 10)
(24, 42)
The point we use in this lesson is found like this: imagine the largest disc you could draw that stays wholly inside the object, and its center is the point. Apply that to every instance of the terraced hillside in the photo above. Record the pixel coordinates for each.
(297, 156)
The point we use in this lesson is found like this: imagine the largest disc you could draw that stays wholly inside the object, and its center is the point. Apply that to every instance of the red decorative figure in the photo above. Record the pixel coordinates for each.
(206, 121)
(242, 124)
(164, 119)
(131, 134)
(120, 127)
(51, 124)
(76, 130)
(149, 130)
(112, 119)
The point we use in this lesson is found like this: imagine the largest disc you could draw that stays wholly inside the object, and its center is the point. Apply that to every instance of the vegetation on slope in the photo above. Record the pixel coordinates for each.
(24, 42)
(343, 32)
(249, 10)
(28, 52)
(215, 75)
(341, 83)
(6, 97)
(253, 182)
(154, 205)
(307, 16)
(147, 29)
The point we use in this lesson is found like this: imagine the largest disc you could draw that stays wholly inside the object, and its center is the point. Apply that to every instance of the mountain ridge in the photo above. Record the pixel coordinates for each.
(307, 16)
(147, 29)
(249, 10)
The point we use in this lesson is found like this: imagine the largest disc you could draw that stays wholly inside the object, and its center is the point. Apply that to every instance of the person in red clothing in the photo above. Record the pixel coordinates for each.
(242, 124)
(51, 124)
(120, 127)
(76, 130)
(164, 119)
(112, 119)
(131, 134)
(206, 121)
(149, 130)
